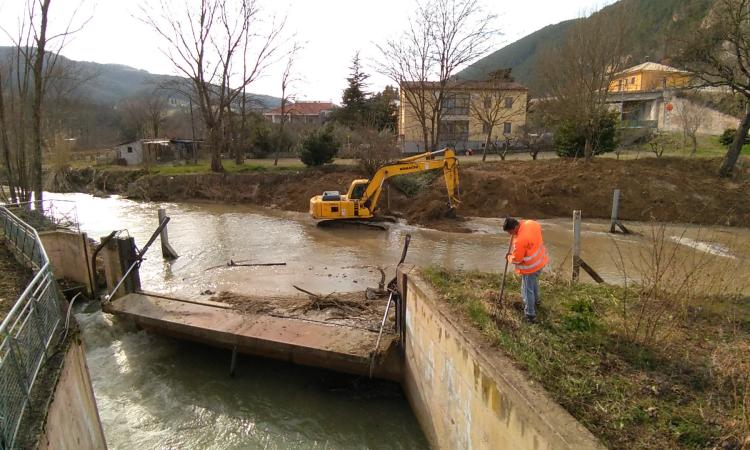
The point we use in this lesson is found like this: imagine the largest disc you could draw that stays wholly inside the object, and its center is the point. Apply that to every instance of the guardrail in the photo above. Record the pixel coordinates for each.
(29, 329)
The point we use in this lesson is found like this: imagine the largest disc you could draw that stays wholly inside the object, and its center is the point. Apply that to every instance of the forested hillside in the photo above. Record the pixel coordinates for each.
(656, 27)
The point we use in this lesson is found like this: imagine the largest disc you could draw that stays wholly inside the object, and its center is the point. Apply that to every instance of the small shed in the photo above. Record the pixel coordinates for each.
(145, 151)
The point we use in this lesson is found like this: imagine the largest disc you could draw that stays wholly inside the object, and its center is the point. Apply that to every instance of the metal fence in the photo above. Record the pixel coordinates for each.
(29, 329)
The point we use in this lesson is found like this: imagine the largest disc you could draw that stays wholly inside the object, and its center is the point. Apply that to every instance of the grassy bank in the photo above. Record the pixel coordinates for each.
(687, 386)
(13, 280)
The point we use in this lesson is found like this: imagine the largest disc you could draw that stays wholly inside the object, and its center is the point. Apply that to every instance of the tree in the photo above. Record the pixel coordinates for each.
(718, 54)
(442, 36)
(353, 111)
(382, 109)
(578, 72)
(205, 43)
(690, 117)
(493, 105)
(570, 137)
(31, 69)
(287, 97)
(373, 148)
(145, 114)
(319, 147)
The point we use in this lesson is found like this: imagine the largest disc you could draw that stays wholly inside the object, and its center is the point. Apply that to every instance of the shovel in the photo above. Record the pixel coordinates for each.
(505, 271)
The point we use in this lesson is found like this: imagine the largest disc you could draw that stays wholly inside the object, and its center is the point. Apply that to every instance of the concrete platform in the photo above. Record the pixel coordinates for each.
(299, 341)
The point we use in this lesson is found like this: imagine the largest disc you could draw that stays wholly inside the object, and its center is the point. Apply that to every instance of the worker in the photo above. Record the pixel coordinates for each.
(529, 256)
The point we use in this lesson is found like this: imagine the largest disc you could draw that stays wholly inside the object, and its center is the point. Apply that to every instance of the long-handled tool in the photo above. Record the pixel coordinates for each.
(505, 271)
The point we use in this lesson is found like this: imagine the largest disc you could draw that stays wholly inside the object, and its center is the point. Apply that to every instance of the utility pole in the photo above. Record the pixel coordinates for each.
(192, 127)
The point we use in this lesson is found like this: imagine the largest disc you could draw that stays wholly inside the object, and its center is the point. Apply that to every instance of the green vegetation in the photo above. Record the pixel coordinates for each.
(319, 147)
(690, 388)
(570, 138)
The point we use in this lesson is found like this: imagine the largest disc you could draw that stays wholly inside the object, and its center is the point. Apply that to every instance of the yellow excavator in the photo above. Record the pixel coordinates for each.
(361, 201)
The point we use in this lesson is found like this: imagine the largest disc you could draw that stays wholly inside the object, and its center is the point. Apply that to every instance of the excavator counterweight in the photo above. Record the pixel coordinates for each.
(361, 201)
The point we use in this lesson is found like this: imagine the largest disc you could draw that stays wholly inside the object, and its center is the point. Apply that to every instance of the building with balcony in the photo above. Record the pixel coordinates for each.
(461, 124)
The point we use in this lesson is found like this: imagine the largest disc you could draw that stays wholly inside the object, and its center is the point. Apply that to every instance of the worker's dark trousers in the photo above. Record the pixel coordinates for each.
(530, 292)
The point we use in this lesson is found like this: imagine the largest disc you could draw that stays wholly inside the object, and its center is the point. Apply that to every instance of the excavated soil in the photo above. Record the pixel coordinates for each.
(667, 190)
(351, 309)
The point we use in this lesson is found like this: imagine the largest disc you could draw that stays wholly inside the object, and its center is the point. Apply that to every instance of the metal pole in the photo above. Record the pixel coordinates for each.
(380, 335)
(615, 211)
(576, 245)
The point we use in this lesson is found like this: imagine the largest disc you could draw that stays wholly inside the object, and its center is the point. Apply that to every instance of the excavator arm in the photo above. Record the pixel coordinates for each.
(362, 198)
(445, 159)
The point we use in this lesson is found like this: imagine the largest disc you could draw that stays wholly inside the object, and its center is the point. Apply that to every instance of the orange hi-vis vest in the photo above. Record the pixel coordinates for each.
(529, 254)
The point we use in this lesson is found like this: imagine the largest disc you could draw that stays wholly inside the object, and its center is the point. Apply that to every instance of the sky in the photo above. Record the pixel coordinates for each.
(331, 32)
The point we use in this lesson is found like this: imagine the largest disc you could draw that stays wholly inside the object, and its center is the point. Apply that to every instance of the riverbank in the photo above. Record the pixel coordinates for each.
(665, 190)
(686, 386)
(13, 281)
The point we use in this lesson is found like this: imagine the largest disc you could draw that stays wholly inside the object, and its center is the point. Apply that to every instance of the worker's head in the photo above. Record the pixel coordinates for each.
(511, 225)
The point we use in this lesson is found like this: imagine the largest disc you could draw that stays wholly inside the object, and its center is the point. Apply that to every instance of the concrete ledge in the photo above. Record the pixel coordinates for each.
(466, 394)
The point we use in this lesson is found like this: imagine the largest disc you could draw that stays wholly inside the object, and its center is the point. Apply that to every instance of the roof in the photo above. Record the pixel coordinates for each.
(470, 85)
(651, 67)
(303, 109)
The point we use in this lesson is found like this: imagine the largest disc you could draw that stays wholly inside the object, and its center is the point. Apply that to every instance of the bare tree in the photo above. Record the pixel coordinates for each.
(287, 97)
(443, 35)
(146, 113)
(578, 72)
(31, 68)
(493, 106)
(718, 54)
(690, 117)
(205, 43)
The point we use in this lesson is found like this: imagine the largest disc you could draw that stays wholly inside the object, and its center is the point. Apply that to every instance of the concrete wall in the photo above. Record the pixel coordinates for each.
(72, 419)
(70, 256)
(713, 123)
(466, 396)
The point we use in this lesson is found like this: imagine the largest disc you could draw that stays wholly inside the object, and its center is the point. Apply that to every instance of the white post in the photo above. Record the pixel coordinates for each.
(576, 244)
(615, 211)
(166, 250)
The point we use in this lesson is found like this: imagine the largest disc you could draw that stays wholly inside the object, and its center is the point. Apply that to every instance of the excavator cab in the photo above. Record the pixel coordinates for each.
(357, 189)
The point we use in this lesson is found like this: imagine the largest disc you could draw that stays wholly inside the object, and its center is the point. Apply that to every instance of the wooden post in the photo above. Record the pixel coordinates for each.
(166, 250)
(576, 245)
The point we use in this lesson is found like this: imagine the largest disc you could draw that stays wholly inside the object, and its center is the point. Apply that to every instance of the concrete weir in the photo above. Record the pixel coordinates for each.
(335, 347)
(463, 393)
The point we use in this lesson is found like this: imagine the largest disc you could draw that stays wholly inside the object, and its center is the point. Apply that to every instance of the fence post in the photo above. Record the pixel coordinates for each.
(167, 251)
(576, 245)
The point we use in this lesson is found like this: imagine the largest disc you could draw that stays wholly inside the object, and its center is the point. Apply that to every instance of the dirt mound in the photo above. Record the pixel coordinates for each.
(671, 190)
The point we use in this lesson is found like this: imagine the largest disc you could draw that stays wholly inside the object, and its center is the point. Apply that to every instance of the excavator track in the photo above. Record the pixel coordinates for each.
(352, 223)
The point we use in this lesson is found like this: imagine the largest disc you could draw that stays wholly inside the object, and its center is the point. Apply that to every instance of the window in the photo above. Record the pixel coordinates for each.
(632, 80)
(487, 102)
(456, 104)
(508, 102)
(507, 127)
(130, 149)
(485, 128)
(454, 131)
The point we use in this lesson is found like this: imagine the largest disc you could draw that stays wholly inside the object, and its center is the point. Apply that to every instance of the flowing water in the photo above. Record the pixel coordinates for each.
(155, 392)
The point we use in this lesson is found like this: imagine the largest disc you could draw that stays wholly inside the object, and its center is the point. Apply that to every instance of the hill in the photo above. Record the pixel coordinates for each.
(654, 31)
(108, 84)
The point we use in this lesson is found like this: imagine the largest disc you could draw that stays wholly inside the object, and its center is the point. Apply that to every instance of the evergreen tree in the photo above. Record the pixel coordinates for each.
(354, 101)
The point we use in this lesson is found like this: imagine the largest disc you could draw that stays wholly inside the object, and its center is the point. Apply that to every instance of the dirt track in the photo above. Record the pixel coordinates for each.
(670, 190)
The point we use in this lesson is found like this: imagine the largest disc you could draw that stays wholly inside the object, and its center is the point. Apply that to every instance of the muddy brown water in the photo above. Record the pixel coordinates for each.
(159, 393)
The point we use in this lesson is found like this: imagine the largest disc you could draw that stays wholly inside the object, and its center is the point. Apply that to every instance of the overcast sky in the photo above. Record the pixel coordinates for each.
(333, 30)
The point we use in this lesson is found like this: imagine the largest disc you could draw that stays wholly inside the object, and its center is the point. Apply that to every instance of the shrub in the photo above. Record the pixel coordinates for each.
(727, 137)
(570, 140)
(319, 147)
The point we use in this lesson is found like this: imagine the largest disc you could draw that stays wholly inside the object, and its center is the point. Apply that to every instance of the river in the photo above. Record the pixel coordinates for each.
(155, 392)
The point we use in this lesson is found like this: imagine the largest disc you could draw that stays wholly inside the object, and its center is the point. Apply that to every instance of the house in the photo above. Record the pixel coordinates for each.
(643, 94)
(152, 151)
(461, 126)
(302, 112)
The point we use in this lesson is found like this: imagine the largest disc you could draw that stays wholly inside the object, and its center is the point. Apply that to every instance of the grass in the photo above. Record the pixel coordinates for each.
(630, 395)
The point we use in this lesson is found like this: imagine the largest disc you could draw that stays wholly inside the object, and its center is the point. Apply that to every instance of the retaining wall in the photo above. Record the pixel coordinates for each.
(70, 256)
(465, 395)
(72, 418)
